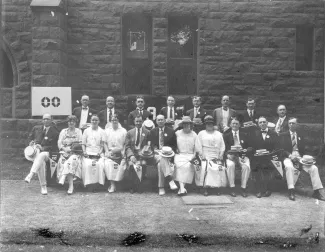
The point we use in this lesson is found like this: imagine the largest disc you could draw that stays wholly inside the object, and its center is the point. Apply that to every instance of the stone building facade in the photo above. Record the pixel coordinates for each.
(271, 50)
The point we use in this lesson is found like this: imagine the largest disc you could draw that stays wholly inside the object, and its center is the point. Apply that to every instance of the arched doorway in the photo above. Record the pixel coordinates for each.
(9, 82)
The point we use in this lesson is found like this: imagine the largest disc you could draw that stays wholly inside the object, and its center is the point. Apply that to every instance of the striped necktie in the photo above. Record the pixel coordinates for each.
(294, 142)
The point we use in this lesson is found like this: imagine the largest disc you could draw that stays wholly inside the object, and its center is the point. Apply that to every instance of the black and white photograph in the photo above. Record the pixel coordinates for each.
(162, 125)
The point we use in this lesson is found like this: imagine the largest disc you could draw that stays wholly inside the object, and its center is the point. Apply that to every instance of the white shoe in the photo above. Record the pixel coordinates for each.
(44, 190)
(70, 191)
(29, 177)
(182, 193)
(172, 185)
(111, 189)
(162, 191)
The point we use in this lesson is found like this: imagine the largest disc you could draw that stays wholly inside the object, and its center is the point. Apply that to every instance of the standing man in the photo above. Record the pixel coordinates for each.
(139, 111)
(136, 139)
(250, 113)
(83, 113)
(264, 138)
(44, 138)
(231, 138)
(169, 112)
(222, 116)
(105, 116)
(293, 144)
(161, 137)
(281, 123)
(197, 114)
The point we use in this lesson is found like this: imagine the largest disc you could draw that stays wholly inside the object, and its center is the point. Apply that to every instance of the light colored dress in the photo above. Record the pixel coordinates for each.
(184, 170)
(66, 139)
(93, 169)
(115, 139)
(212, 146)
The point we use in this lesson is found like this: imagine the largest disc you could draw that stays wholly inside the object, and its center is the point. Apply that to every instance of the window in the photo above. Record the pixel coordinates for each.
(304, 47)
(182, 55)
(136, 51)
(8, 77)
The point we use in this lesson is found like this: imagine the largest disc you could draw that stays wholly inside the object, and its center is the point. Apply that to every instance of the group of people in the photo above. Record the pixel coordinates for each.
(182, 147)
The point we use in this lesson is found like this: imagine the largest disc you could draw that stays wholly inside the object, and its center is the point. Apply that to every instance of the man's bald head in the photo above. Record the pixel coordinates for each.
(110, 102)
(47, 119)
(160, 119)
(225, 101)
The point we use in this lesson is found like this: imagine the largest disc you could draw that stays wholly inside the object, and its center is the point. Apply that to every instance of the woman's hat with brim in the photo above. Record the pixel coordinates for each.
(148, 124)
(185, 120)
(31, 152)
(307, 160)
(208, 119)
(166, 152)
(146, 152)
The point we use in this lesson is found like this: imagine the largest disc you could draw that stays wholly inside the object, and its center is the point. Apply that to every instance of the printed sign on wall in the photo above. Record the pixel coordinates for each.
(53, 100)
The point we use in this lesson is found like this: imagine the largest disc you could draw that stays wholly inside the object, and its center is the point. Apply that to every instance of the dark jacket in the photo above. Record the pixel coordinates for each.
(164, 110)
(169, 138)
(229, 140)
(246, 118)
(130, 141)
(202, 113)
(48, 141)
(145, 114)
(285, 143)
(77, 112)
(270, 143)
(103, 117)
(284, 126)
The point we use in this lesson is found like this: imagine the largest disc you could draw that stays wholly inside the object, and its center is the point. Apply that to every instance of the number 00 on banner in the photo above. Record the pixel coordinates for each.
(53, 100)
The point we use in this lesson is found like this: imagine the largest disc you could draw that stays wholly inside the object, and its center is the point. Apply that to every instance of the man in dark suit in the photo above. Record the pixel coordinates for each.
(264, 138)
(105, 116)
(136, 139)
(139, 111)
(293, 144)
(281, 123)
(231, 138)
(250, 115)
(170, 112)
(83, 113)
(198, 113)
(160, 137)
(45, 138)
(222, 116)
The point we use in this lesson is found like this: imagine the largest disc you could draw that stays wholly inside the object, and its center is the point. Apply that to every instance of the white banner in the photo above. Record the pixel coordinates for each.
(52, 100)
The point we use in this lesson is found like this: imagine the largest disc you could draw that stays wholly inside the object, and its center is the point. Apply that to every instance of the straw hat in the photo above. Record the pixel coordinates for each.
(148, 124)
(185, 119)
(307, 160)
(146, 152)
(166, 152)
(31, 152)
(271, 125)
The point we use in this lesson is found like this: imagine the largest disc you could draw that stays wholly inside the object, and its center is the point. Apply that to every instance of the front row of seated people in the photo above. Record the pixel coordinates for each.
(208, 158)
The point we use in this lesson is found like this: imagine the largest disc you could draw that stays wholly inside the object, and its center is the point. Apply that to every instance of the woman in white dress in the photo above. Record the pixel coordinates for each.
(94, 147)
(67, 138)
(186, 151)
(211, 147)
(115, 163)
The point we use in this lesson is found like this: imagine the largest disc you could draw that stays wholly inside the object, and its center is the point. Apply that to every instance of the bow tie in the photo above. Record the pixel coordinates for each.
(225, 109)
(84, 108)
(263, 131)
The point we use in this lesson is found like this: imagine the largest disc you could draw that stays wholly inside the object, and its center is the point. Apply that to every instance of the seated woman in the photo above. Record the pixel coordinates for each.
(93, 146)
(68, 137)
(211, 147)
(186, 151)
(115, 164)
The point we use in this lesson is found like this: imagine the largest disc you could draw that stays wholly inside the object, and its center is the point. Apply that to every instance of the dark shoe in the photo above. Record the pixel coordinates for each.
(259, 195)
(292, 195)
(131, 190)
(232, 192)
(218, 193)
(206, 193)
(319, 194)
(267, 193)
(244, 193)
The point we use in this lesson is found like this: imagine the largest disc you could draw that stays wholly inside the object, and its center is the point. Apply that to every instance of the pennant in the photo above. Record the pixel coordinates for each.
(138, 171)
(196, 162)
(53, 166)
(278, 166)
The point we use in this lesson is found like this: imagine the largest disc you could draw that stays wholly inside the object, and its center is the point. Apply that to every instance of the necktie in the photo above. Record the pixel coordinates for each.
(138, 138)
(110, 115)
(140, 112)
(161, 138)
(236, 141)
(278, 125)
(251, 114)
(294, 142)
(171, 113)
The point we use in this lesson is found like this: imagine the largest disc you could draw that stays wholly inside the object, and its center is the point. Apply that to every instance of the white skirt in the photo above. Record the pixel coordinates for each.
(93, 171)
(215, 177)
(72, 165)
(184, 170)
(113, 170)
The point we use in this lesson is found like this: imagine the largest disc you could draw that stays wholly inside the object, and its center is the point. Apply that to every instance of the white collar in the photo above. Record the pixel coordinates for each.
(140, 109)
(83, 107)
(110, 109)
(237, 132)
(197, 108)
(47, 128)
(292, 133)
(161, 128)
(250, 110)
(225, 110)
(267, 130)
(282, 118)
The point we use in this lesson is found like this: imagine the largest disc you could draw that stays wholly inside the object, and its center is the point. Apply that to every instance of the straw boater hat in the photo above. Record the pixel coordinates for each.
(307, 160)
(271, 125)
(31, 152)
(166, 151)
(185, 119)
(208, 119)
(148, 124)
(146, 152)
